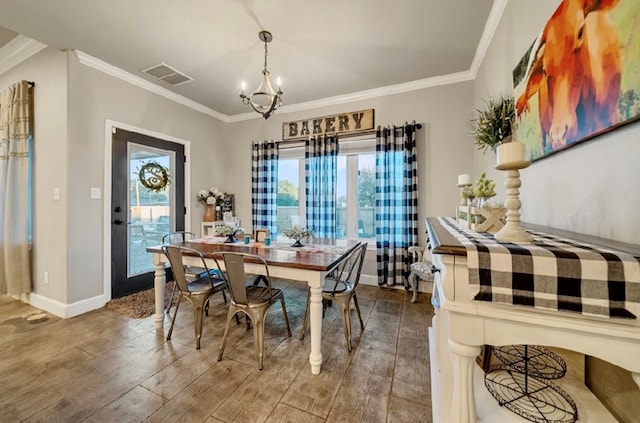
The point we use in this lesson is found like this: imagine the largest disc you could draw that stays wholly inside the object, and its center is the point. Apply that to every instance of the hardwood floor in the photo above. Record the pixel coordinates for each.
(105, 367)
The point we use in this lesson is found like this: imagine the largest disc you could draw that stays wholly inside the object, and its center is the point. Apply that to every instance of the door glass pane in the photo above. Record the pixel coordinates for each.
(150, 212)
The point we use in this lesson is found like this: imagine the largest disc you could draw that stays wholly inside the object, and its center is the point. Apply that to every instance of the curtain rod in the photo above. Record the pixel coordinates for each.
(350, 135)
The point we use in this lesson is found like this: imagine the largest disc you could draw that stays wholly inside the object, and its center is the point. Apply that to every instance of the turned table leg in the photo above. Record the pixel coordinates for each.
(463, 407)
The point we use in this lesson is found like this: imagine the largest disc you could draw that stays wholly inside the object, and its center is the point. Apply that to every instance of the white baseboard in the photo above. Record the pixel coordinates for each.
(67, 310)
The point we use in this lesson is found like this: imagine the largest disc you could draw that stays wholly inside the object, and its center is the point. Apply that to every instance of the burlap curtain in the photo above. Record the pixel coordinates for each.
(15, 266)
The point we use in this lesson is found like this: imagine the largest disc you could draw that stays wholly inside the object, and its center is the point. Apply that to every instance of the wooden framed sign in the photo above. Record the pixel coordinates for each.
(341, 123)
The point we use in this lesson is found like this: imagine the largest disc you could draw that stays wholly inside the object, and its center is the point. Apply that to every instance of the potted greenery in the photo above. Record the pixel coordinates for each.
(493, 123)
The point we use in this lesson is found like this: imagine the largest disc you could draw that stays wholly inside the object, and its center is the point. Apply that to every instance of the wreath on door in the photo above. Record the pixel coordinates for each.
(154, 176)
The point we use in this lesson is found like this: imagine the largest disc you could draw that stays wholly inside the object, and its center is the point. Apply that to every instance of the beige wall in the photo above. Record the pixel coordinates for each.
(591, 188)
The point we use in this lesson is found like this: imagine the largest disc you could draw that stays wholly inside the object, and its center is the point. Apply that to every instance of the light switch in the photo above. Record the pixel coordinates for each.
(56, 193)
(95, 193)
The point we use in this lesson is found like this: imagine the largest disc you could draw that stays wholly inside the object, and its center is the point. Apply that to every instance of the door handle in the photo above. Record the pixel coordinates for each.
(118, 222)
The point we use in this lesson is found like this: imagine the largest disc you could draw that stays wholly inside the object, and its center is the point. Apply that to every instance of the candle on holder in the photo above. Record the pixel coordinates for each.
(464, 180)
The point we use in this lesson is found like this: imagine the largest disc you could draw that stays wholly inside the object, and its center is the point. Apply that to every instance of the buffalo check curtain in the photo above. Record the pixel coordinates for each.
(321, 170)
(396, 213)
(264, 185)
(551, 273)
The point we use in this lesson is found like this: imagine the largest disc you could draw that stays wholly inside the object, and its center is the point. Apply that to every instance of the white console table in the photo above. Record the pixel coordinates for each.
(462, 326)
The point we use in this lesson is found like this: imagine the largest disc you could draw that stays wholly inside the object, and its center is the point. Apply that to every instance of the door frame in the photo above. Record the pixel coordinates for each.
(106, 223)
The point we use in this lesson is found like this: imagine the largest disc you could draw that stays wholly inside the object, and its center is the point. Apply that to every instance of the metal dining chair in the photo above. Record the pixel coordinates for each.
(250, 299)
(197, 292)
(191, 272)
(340, 287)
(421, 269)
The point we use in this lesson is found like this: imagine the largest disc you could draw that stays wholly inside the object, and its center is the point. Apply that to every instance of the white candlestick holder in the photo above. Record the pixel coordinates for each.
(513, 230)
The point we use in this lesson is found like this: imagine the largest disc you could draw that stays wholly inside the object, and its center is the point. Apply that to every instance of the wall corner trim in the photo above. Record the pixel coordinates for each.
(495, 15)
(17, 51)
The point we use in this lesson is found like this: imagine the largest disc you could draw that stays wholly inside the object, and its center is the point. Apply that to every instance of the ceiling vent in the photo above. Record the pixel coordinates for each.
(167, 74)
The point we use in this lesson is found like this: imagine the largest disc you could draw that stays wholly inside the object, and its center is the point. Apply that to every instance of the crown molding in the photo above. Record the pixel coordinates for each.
(116, 72)
(18, 50)
(435, 81)
(495, 15)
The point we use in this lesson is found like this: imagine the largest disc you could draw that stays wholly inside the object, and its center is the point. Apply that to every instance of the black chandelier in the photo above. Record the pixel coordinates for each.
(264, 100)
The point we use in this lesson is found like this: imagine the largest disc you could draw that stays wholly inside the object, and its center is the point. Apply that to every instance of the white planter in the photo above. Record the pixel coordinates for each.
(510, 155)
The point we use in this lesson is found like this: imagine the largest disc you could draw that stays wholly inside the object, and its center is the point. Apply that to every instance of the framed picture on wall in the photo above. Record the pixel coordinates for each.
(579, 78)
(228, 204)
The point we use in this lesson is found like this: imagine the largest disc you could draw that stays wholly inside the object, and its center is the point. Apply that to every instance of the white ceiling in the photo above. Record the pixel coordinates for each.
(321, 49)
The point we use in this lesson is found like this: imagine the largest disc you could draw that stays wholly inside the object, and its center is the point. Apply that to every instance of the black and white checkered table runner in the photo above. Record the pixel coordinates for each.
(551, 273)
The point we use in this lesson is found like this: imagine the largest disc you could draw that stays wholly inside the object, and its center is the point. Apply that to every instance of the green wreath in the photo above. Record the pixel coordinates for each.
(154, 176)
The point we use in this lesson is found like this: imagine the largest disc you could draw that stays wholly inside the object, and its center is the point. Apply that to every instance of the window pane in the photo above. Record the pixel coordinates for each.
(366, 195)
(288, 200)
(341, 198)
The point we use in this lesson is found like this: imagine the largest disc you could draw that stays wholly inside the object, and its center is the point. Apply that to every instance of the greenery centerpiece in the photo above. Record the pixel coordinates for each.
(485, 188)
(228, 231)
(494, 123)
(297, 233)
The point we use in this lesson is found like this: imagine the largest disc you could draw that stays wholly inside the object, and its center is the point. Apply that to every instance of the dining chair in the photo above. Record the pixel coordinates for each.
(197, 291)
(252, 300)
(340, 287)
(420, 269)
(191, 272)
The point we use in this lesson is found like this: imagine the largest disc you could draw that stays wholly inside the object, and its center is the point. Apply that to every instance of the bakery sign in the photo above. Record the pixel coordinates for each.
(341, 123)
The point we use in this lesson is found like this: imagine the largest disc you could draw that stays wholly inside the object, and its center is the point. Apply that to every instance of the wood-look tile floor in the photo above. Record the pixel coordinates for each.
(105, 367)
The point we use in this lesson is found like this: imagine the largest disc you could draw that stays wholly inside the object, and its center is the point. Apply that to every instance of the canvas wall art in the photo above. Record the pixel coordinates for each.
(580, 77)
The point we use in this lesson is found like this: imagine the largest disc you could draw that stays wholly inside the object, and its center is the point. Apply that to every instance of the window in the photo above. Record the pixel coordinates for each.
(355, 189)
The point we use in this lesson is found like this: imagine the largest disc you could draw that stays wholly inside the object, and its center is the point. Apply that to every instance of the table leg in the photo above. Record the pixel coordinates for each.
(159, 286)
(315, 314)
(463, 407)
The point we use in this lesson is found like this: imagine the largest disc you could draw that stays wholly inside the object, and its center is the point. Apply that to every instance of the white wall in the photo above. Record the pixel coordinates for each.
(48, 69)
(591, 188)
(93, 98)
(444, 147)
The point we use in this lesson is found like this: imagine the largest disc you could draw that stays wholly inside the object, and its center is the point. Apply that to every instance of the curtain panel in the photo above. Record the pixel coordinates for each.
(15, 264)
(396, 213)
(321, 169)
(264, 185)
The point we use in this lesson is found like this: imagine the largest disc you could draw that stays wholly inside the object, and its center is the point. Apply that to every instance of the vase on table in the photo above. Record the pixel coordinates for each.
(230, 239)
(208, 214)
(297, 243)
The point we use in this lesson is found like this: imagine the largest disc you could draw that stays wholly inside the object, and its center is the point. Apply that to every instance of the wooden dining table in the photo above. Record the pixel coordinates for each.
(309, 264)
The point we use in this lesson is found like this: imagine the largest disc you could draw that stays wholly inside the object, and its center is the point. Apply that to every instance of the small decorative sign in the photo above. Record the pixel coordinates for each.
(341, 123)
